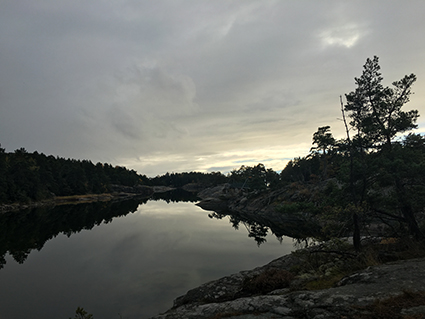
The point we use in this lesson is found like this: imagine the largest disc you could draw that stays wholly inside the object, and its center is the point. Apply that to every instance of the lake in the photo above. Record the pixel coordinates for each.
(129, 260)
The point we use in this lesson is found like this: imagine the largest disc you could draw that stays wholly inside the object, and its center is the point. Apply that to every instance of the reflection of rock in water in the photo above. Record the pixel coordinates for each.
(258, 211)
(280, 225)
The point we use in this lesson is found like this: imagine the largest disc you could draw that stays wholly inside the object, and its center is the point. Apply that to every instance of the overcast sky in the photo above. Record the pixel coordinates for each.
(185, 85)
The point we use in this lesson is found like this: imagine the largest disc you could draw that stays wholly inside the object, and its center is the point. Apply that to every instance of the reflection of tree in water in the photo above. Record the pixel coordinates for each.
(176, 195)
(255, 229)
(23, 231)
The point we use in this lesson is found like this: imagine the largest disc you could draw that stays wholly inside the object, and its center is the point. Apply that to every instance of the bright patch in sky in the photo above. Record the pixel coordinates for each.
(346, 36)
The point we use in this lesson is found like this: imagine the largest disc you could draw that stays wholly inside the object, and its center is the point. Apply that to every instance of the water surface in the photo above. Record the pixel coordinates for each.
(131, 267)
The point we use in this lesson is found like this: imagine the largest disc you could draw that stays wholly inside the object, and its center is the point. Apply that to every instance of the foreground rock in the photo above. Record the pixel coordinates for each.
(219, 299)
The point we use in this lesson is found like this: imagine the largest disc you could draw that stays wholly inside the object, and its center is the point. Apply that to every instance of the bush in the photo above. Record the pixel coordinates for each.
(269, 280)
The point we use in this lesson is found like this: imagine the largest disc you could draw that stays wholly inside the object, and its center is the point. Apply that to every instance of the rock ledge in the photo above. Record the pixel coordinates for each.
(218, 299)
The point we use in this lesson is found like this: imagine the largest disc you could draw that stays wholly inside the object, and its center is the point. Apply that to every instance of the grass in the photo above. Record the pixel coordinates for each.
(327, 265)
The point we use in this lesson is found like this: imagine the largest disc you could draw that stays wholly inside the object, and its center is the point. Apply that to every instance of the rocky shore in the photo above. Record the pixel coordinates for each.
(287, 297)
(320, 282)
(260, 207)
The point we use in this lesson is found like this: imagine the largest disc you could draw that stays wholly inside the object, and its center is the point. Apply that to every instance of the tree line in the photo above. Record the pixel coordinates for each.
(34, 176)
(26, 177)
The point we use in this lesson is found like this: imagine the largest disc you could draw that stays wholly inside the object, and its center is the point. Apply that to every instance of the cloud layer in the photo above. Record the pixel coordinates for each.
(193, 85)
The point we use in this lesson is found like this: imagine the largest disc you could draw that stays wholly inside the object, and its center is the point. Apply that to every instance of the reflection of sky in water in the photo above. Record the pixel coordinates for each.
(134, 267)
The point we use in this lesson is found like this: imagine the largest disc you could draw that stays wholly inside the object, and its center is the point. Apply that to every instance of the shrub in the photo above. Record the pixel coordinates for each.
(269, 280)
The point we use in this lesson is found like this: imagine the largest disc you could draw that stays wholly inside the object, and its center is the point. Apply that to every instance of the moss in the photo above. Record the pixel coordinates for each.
(391, 308)
(326, 265)
(324, 282)
(267, 281)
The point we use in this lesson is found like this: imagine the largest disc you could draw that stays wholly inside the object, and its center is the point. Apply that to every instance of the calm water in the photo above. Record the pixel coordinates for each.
(131, 267)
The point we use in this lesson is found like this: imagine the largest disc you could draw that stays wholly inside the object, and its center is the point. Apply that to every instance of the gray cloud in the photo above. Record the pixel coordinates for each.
(192, 85)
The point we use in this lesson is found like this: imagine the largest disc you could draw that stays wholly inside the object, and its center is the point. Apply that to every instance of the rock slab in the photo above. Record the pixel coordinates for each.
(359, 289)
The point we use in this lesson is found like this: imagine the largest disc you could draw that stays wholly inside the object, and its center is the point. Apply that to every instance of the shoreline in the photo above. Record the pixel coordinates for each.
(67, 200)
(121, 193)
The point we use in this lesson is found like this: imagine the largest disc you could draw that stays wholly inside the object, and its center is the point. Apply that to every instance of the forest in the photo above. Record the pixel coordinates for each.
(26, 177)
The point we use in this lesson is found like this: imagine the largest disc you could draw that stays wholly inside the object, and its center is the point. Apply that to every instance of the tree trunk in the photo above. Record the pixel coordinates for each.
(356, 234)
(407, 211)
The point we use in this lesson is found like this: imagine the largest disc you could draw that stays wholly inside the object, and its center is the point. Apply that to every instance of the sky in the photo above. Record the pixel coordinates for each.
(193, 85)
